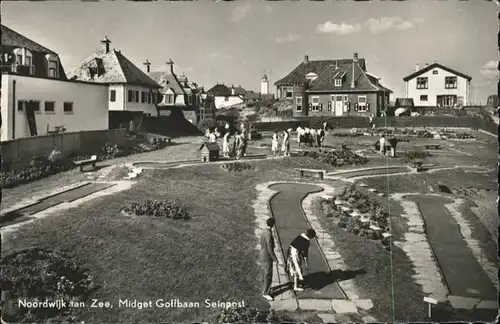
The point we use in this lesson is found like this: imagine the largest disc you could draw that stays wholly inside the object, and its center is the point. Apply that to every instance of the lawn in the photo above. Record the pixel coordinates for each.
(210, 256)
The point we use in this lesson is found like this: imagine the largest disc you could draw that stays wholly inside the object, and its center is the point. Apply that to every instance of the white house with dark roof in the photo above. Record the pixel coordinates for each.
(227, 97)
(130, 89)
(436, 85)
(333, 88)
(38, 99)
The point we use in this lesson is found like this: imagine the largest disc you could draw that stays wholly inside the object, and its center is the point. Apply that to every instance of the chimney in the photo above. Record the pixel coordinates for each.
(232, 90)
(171, 64)
(306, 59)
(417, 67)
(105, 44)
(148, 65)
(355, 57)
(336, 64)
(426, 64)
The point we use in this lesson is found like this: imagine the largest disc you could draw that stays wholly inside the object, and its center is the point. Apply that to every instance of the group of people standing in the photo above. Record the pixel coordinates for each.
(237, 147)
(310, 136)
(296, 258)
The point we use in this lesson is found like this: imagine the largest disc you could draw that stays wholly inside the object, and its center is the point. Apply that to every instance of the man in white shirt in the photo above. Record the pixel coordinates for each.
(382, 142)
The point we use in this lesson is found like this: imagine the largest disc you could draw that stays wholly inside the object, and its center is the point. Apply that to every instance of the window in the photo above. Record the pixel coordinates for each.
(450, 82)
(346, 98)
(52, 69)
(169, 99)
(27, 60)
(315, 104)
(50, 106)
(298, 101)
(362, 103)
(112, 95)
(422, 83)
(338, 82)
(20, 105)
(136, 96)
(226, 98)
(19, 59)
(143, 97)
(423, 98)
(130, 96)
(36, 106)
(289, 94)
(190, 100)
(435, 72)
(68, 107)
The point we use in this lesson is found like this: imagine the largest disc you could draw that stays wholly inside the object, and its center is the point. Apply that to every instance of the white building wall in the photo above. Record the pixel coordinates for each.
(120, 98)
(436, 86)
(147, 108)
(90, 105)
(220, 102)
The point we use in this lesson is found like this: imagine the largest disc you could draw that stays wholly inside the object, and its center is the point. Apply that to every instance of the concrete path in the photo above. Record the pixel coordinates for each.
(462, 273)
(290, 222)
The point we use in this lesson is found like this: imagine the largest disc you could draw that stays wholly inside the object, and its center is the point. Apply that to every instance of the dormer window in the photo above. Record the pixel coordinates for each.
(338, 82)
(52, 65)
(24, 61)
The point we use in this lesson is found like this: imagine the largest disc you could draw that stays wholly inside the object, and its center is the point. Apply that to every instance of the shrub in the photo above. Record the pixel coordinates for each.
(41, 274)
(336, 158)
(248, 314)
(211, 123)
(412, 155)
(157, 209)
(236, 167)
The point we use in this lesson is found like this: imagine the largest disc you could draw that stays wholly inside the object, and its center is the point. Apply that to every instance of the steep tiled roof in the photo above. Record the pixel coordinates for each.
(362, 81)
(433, 66)
(111, 67)
(298, 75)
(219, 90)
(239, 91)
(14, 39)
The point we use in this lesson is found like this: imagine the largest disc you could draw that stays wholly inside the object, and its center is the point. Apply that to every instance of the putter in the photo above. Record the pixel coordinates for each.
(279, 281)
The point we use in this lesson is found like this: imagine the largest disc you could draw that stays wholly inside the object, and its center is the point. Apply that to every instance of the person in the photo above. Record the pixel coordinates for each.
(381, 143)
(267, 257)
(244, 140)
(297, 257)
(372, 125)
(314, 137)
(275, 143)
(299, 134)
(212, 137)
(239, 145)
(285, 147)
(321, 137)
(207, 133)
(131, 127)
(225, 145)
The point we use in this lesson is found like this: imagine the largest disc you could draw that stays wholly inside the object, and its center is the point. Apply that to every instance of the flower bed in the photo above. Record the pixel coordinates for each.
(248, 314)
(236, 167)
(450, 134)
(336, 158)
(39, 275)
(157, 209)
(358, 214)
(412, 155)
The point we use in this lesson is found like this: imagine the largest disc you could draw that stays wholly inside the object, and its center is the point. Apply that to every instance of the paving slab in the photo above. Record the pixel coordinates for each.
(462, 273)
(315, 304)
(369, 319)
(285, 304)
(344, 306)
(327, 318)
(488, 304)
(463, 302)
(365, 304)
(286, 207)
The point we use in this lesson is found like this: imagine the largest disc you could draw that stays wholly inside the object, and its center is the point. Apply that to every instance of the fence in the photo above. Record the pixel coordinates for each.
(357, 122)
(20, 151)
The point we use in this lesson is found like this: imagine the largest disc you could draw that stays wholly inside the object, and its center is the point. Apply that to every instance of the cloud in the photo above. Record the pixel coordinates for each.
(373, 25)
(241, 12)
(341, 29)
(490, 70)
(290, 38)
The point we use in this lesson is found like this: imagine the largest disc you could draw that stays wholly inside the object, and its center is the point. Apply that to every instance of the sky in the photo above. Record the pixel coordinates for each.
(237, 42)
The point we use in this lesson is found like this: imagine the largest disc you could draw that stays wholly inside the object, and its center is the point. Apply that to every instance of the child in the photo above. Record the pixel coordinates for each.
(274, 143)
(297, 255)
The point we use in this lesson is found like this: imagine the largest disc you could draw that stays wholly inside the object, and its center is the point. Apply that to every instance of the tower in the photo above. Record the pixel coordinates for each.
(264, 85)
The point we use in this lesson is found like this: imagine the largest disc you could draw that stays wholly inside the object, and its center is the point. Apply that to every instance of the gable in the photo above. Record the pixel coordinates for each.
(432, 67)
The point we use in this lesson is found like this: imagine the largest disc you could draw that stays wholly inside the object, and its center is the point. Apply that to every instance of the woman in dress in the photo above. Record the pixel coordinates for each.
(225, 145)
(239, 145)
(275, 143)
(297, 255)
(285, 147)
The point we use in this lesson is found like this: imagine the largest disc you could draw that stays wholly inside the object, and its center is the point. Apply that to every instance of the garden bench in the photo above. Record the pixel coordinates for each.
(320, 173)
(433, 146)
(82, 163)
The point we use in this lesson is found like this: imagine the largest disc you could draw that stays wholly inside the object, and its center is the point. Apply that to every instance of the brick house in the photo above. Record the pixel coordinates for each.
(333, 88)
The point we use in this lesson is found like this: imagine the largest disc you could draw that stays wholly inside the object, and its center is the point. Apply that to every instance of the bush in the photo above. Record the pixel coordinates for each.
(336, 158)
(248, 315)
(41, 274)
(412, 155)
(157, 209)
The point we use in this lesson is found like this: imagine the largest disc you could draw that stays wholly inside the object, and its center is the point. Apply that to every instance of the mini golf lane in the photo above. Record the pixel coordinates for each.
(290, 222)
(370, 172)
(463, 275)
(71, 195)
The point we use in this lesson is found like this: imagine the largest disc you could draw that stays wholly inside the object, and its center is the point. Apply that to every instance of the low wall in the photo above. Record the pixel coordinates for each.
(359, 122)
(19, 152)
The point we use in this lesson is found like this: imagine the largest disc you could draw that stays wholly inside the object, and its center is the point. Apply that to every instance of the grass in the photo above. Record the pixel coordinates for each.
(210, 256)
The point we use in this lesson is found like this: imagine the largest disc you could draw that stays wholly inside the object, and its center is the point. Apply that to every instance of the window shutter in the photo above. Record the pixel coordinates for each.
(329, 106)
(310, 106)
(320, 107)
(349, 106)
(356, 107)
(368, 107)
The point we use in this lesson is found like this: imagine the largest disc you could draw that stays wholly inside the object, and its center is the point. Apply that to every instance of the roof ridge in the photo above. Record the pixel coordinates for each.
(29, 39)
(115, 56)
(364, 73)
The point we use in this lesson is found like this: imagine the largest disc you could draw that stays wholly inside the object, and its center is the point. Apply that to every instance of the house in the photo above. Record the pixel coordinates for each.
(37, 97)
(225, 96)
(333, 88)
(130, 89)
(438, 86)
